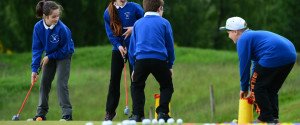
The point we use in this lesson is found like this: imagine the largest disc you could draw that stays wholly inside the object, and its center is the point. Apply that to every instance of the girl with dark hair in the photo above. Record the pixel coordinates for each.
(52, 36)
(119, 18)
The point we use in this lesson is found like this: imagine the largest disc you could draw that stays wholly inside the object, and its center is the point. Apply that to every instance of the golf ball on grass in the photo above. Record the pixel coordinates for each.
(63, 120)
(30, 119)
(161, 121)
(132, 122)
(234, 121)
(125, 122)
(89, 123)
(107, 123)
(154, 121)
(179, 121)
(146, 122)
(170, 121)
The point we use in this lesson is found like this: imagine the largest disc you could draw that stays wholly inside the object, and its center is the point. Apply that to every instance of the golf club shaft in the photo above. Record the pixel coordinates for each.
(125, 83)
(25, 100)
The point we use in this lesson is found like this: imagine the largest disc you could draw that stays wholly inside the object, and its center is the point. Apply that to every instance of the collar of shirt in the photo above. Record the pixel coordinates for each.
(117, 6)
(48, 27)
(151, 13)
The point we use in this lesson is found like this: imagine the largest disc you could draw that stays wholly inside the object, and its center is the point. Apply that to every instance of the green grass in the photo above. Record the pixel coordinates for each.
(194, 71)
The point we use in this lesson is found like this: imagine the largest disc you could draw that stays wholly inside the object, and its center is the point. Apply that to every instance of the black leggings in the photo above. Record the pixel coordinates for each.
(113, 96)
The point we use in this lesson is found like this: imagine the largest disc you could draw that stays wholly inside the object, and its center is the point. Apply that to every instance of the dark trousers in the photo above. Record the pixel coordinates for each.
(266, 83)
(62, 69)
(162, 74)
(113, 96)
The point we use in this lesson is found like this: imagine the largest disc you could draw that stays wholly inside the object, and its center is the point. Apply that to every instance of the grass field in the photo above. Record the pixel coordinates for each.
(194, 71)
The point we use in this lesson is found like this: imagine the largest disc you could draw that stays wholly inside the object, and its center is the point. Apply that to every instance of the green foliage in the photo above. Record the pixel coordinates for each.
(195, 22)
(194, 71)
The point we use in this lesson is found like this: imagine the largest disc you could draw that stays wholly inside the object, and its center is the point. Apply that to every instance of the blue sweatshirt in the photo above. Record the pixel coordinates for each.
(265, 48)
(128, 15)
(57, 43)
(152, 38)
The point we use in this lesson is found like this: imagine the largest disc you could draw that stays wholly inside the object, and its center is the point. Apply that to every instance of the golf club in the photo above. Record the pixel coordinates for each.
(126, 110)
(17, 116)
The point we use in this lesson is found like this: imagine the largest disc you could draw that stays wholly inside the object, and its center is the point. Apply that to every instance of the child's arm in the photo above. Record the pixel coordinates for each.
(170, 45)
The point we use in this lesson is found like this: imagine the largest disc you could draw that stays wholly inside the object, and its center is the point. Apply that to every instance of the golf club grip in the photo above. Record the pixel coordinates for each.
(124, 46)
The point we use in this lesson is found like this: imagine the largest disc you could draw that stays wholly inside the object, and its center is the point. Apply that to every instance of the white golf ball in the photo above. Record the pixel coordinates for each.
(146, 122)
(234, 121)
(170, 121)
(154, 121)
(125, 122)
(30, 119)
(179, 121)
(62, 120)
(132, 122)
(161, 121)
(109, 122)
(104, 123)
(89, 123)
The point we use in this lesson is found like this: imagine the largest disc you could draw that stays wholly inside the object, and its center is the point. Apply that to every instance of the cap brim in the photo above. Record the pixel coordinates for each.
(223, 28)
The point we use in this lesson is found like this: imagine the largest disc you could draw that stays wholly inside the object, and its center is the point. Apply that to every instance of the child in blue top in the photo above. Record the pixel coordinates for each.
(272, 56)
(151, 50)
(119, 18)
(53, 37)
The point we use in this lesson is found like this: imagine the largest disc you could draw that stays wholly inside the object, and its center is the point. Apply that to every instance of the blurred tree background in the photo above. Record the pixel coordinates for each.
(195, 22)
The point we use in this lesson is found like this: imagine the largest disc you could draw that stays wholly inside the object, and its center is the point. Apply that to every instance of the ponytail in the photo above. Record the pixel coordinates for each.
(39, 9)
(115, 22)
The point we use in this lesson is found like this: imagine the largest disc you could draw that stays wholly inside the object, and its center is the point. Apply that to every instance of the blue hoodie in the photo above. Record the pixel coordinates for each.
(264, 48)
(57, 43)
(128, 14)
(152, 37)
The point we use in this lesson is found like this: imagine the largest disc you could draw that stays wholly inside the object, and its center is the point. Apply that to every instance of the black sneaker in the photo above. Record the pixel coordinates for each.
(137, 118)
(276, 121)
(36, 118)
(66, 118)
(109, 116)
(163, 116)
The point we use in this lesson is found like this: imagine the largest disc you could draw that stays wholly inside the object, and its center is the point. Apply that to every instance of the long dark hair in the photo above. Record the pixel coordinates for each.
(46, 7)
(115, 22)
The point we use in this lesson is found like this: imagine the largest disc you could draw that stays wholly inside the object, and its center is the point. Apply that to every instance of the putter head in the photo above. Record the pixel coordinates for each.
(126, 110)
(15, 118)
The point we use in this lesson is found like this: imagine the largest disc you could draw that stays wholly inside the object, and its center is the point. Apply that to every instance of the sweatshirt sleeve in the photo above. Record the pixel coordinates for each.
(113, 39)
(139, 12)
(244, 54)
(65, 46)
(131, 49)
(170, 45)
(37, 51)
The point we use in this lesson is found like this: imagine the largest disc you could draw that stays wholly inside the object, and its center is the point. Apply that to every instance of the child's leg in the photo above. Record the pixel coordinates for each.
(113, 95)
(47, 78)
(63, 73)
(266, 90)
(281, 74)
(141, 72)
(162, 74)
(261, 87)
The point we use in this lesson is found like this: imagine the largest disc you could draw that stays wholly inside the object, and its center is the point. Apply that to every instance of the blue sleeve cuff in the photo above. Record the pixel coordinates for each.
(170, 66)
(34, 69)
(245, 87)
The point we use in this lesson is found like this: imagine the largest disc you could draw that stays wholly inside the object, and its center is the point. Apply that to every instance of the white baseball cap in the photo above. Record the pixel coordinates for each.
(234, 23)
